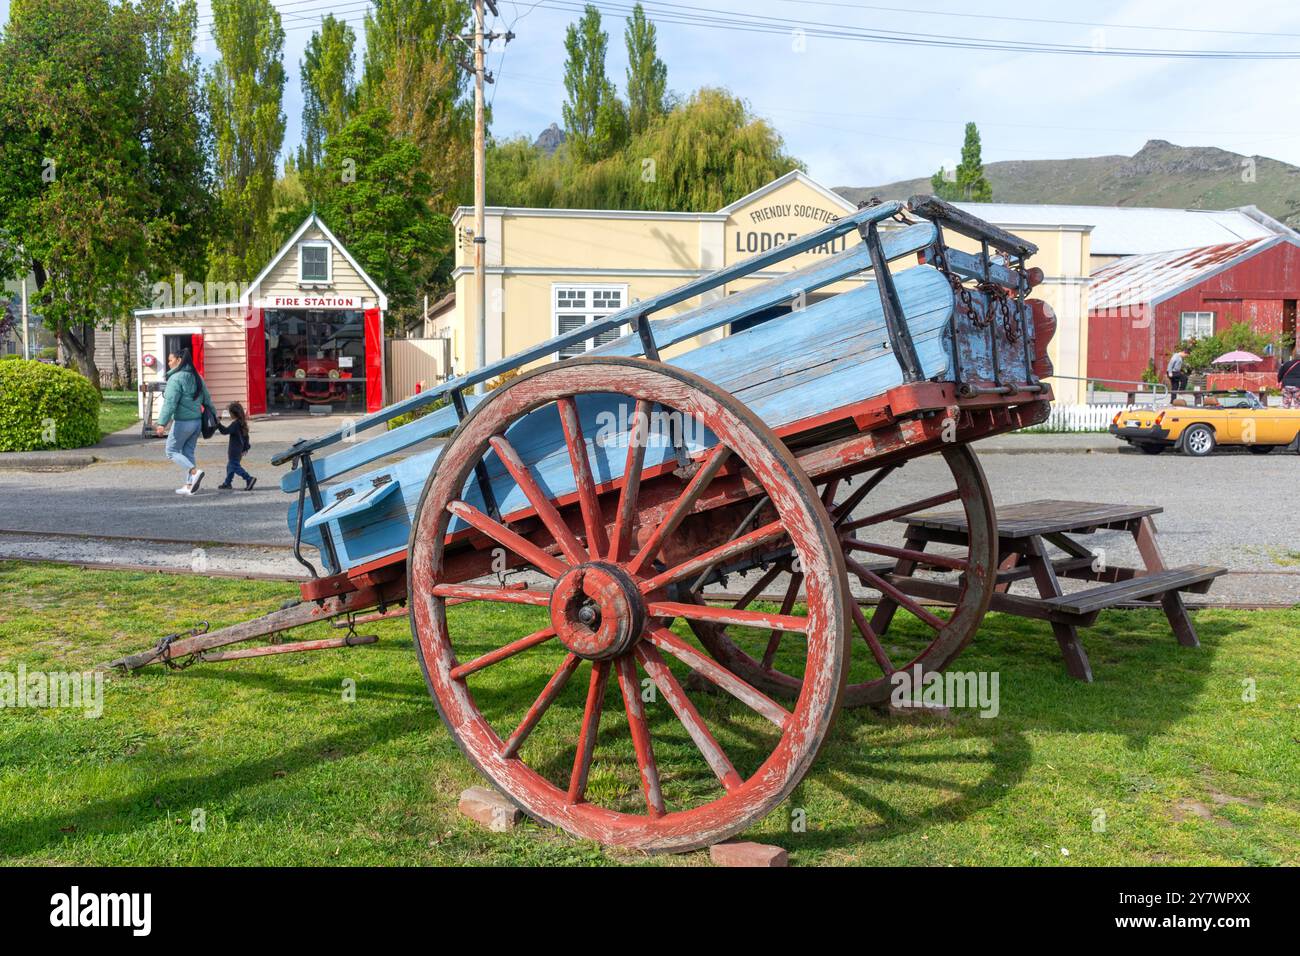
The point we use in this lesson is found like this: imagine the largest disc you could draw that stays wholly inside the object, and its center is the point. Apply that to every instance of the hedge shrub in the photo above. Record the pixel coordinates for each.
(45, 406)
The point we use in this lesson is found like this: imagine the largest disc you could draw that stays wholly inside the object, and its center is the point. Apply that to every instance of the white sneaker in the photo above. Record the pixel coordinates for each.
(184, 491)
(196, 480)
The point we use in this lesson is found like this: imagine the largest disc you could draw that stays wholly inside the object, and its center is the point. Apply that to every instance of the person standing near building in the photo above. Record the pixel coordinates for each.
(1288, 376)
(1177, 371)
(183, 401)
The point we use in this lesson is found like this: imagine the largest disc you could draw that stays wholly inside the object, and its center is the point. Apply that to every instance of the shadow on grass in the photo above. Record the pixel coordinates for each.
(138, 810)
(1144, 682)
(279, 682)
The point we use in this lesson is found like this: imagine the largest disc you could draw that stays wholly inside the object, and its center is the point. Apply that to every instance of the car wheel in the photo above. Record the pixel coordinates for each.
(1198, 441)
(1260, 449)
(1151, 449)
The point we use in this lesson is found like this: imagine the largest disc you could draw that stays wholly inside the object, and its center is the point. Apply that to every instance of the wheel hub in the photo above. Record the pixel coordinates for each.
(597, 610)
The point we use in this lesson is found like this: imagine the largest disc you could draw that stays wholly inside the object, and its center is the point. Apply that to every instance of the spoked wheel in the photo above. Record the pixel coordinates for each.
(534, 707)
(918, 636)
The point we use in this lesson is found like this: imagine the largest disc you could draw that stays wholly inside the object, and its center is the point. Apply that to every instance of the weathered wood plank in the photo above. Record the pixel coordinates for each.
(1041, 517)
(1147, 585)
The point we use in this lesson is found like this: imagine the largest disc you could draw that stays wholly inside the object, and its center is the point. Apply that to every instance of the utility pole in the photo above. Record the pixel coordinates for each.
(27, 328)
(480, 39)
(480, 196)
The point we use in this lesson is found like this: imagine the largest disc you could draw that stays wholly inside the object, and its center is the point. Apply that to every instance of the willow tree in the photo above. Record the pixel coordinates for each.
(328, 88)
(245, 92)
(707, 152)
(412, 74)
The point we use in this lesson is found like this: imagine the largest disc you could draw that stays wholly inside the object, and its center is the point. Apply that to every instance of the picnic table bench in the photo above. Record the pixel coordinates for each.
(1024, 532)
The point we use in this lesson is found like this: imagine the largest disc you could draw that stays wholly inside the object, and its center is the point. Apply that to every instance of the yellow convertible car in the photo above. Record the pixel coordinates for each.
(1198, 422)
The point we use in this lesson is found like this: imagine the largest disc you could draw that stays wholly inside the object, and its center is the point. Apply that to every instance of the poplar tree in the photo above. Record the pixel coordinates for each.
(328, 88)
(968, 182)
(413, 73)
(595, 120)
(647, 75)
(245, 92)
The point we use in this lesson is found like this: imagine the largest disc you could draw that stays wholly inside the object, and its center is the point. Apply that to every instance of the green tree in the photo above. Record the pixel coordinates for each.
(647, 75)
(376, 197)
(328, 88)
(595, 122)
(177, 137)
(76, 206)
(412, 73)
(1240, 336)
(969, 183)
(245, 90)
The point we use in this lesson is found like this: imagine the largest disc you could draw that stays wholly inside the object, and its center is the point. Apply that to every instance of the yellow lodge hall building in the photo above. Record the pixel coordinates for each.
(550, 270)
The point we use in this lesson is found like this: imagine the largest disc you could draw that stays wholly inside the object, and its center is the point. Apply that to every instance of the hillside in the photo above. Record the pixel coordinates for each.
(1159, 174)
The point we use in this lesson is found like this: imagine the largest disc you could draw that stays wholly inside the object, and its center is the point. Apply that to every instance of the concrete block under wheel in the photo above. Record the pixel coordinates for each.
(744, 853)
(490, 809)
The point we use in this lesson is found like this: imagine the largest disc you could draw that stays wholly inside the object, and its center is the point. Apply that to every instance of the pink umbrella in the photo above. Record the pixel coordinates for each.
(1237, 356)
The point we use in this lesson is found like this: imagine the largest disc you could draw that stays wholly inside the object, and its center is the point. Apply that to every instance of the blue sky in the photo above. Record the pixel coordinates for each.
(863, 113)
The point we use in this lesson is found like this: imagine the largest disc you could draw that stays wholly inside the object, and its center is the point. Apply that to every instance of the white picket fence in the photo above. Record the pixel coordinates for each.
(1078, 418)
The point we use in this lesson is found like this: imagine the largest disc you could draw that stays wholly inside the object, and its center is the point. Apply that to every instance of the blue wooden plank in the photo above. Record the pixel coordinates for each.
(968, 266)
(441, 421)
(689, 290)
(777, 291)
(349, 505)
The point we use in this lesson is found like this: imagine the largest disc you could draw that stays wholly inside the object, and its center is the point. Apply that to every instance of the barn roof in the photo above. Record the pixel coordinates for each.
(1137, 230)
(1153, 278)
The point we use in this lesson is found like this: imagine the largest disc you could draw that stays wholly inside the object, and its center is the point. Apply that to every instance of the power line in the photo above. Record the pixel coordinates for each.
(690, 15)
(1050, 22)
(713, 18)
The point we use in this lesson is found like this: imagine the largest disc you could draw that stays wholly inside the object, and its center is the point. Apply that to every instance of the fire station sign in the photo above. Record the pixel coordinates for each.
(312, 302)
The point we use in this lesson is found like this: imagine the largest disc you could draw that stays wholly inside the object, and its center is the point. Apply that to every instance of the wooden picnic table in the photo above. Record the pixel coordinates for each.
(1025, 531)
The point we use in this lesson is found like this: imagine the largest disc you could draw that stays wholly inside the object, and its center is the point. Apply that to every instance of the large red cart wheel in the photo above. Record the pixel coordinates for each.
(927, 640)
(613, 577)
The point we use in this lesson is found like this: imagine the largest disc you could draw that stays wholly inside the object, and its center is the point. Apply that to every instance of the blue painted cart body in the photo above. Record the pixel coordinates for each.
(908, 317)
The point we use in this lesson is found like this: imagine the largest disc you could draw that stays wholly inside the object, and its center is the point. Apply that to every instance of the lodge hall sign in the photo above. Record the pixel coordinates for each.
(777, 223)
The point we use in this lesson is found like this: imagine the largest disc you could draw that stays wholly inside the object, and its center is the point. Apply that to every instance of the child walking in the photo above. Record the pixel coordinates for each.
(238, 447)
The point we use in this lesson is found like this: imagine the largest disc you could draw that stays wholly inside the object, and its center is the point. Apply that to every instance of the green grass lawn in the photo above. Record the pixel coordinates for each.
(1160, 761)
(117, 411)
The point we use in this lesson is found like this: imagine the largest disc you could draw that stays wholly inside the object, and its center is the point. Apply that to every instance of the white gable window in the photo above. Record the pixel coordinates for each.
(1195, 325)
(313, 262)
(576, 305)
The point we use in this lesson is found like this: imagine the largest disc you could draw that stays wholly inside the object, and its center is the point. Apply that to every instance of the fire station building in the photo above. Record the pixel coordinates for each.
(307, 333)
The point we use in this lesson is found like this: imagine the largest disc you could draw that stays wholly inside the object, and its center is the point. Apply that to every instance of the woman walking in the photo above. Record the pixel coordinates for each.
(183, 402)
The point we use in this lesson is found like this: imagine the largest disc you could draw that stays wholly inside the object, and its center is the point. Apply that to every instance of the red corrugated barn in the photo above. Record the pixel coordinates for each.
(1141, 307)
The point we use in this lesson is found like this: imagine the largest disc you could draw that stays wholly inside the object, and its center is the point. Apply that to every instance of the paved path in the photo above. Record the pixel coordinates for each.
(1237, 510)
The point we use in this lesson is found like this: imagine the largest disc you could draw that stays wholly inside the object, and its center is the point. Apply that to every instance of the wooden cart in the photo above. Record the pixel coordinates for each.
(614, 491)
